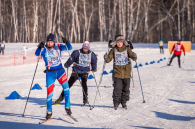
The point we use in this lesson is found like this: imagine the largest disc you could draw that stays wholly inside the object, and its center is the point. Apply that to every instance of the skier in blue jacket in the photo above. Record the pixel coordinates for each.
(82, 60)
(51, 53)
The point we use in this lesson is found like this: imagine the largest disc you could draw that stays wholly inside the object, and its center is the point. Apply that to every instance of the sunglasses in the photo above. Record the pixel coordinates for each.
(121, 41)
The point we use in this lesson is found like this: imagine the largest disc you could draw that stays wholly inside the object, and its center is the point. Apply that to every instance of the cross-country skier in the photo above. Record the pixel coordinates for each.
(24, 49)
(51, 54)
(2, 47)
(177, 47)
(82, 60)
(161, 43)
(121, 52)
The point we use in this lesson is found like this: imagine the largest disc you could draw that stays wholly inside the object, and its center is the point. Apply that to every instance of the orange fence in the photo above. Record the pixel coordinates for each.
(17, 58)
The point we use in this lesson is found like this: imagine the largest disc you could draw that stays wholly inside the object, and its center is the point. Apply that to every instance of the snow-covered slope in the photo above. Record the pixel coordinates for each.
(168, 92)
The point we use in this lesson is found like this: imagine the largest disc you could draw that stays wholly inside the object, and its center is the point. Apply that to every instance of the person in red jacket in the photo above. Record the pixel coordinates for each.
(177, 52)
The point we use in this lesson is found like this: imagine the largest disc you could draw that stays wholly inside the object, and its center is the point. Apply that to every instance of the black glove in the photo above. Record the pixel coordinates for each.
(65, 66)
(64, 40)
(95, 70)
(184, 54)
(105, 56)
(41, 45)
(134, 56)
(130, 44)
(171, 53)
(109, 43)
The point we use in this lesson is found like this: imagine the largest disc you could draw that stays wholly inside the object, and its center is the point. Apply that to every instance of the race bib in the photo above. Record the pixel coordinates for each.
(53, 57)
(121, 58)
(84, 60)
(177, 47)
(161, 43)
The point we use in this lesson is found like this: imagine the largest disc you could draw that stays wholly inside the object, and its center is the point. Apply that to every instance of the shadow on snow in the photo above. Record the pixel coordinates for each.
(182, 101)
(173, 117)
(144, 127)
(17, 125)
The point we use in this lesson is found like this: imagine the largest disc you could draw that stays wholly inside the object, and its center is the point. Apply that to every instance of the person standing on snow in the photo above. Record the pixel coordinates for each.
(177, 47)
(82, 60)
(24, 49)
(2, 47)
(161, 43)
(121, 52)
(51, 53)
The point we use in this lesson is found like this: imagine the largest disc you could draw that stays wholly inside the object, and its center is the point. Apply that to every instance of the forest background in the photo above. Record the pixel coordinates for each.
(141, 21)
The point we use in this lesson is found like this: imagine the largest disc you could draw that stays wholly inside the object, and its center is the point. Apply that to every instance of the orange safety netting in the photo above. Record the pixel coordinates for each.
(18, 58)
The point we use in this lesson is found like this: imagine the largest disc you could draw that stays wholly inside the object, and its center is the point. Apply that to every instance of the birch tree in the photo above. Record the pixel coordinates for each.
(15, 19)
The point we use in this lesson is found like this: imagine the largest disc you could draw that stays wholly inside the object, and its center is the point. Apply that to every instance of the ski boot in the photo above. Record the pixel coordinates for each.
(116, 106)
(168, 64)
(48, 115)
(85, 101)
(124, 106)
(68, 111)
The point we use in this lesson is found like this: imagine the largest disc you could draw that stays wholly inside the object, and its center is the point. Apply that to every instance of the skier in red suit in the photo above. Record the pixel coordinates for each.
(177, 52)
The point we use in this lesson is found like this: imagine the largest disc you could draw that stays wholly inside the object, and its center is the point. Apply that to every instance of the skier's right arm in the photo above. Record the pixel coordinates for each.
(40, 46)
(109, 56)
(173, 48)
(72, 58)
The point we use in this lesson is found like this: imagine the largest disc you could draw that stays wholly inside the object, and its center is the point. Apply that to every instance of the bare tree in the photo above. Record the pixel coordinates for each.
(15, 19)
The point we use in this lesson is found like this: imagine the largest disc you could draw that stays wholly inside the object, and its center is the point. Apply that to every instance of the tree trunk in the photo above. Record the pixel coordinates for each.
(146, 21)
(49, 16)
(36, 6)
(15, 20)
(189, 21)
(183, 22)
(131, 21)
(100, 20)
(137, 18)
(111, 21)
(179, 22)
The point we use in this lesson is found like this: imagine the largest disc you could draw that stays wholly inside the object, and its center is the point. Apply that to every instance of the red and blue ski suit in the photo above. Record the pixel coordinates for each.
(54, 70)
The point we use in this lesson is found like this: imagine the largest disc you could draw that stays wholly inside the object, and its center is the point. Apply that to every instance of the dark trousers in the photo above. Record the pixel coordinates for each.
(178, 56)
(121, 91)
(161, 49)
(73, 79)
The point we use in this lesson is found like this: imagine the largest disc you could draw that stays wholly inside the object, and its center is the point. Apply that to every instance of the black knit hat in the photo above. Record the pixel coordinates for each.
(51, 37)
(119, 37)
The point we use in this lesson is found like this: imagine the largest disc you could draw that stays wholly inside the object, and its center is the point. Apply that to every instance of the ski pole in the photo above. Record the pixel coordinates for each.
(132, 76)
(102, 73)
(67, 72)
(96, 93)
(183, 59)
(78, 77)
(96, 84)
(168, 59)
(31, 84)
(140, 83)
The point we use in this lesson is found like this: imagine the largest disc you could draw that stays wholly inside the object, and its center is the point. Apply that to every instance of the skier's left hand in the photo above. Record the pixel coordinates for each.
(130, 44)
(134, 56)
(64, 40)
(105, 56)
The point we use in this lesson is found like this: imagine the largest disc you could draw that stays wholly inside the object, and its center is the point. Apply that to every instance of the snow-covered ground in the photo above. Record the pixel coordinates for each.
(168, 92)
